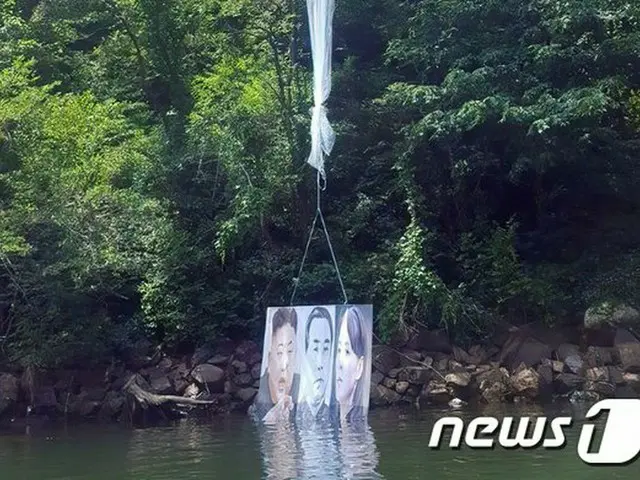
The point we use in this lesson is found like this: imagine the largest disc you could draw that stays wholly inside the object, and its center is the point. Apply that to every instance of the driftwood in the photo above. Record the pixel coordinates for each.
(145, 398)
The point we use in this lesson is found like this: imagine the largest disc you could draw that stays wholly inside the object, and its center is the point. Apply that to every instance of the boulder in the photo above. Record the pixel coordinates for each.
(256, 371)
(458, 379)
(246, 395)
(389, 382)
(632, 380)
(573, 362)
(111, 405)
(381, 395)
(401, 387)
(436, 392)
(616, 375)
(376, 377)
(255, 359)
(597, 374)
(557, 366)
(545, 378)
(393, 373)
(238, 366)
(629, 354)
(243, 380)
(607, 313)
(565, 350)
(567, 382)
(210, 377)
(160, 383)
(410, 358)
(245, 350)
(461, 356)
(178, 377)
(478, 354)
(598, 356)
(201, 355)
(415, 375)
(525, 382)
(219, 360)
(384, 358)
(603, 389)
(529, 351)
(494, 385)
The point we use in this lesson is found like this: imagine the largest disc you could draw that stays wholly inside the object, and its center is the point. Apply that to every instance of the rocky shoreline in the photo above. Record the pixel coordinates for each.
(526, 364)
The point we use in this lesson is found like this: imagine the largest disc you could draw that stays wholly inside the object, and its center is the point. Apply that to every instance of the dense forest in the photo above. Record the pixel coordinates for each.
(153, 175)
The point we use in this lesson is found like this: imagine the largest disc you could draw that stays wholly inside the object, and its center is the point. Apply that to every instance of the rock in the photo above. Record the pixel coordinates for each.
(413, 391)
(9, 391)
(384, 358)
(178, 378)
(246, 394)
(381, 395)
(632, 380)
(415, 375)
(457, 403)
(603, 389)
(246, 350)
(478, 354)
(574, 363)
(528, 351)
(243, 380)
(436, 392)
(455, 366)
(160, 383)
(458, 379)
(393, 373)
(230, 387)
(401, 387)
(623, 335)
(629, 354)
(545, 379)
(201, 355)
(165, 364)
(494, 385)
(608, 314)
(255, 359)
(461, 356)
(441, 365)
(238, 366)
(598, 356)
(565, 350)
(256, 371)
(615, 375)
(410, 358)
(567, 382)
(431, 341)
(111, 405)
(557, 366)
(210, 377)
(580, 396)
(389, 382)
(597, 374)
(376, 377)
(192, 391)
(219, 360)
(525, 383)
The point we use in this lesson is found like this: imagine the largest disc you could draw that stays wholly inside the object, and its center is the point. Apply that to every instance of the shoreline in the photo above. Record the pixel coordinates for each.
(530, 365)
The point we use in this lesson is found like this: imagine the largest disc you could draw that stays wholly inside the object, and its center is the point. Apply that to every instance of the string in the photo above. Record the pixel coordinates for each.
(296, 281)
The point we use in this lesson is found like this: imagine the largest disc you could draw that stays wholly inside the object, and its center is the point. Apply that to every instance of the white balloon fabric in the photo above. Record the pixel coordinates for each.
(323, 137)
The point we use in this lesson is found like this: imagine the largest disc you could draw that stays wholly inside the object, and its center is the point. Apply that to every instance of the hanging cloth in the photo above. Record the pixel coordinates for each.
(323, 137)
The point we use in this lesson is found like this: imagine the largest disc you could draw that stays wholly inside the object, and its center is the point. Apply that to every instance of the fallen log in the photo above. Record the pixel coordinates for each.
(145, 398)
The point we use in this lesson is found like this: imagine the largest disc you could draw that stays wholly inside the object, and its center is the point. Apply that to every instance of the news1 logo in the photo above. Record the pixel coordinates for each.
(619, 445)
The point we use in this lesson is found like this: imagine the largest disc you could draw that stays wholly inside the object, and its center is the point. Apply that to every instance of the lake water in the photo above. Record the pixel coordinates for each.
(393, 447)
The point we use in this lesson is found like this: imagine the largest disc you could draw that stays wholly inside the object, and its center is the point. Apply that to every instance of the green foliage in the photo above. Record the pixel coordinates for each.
(153, 177)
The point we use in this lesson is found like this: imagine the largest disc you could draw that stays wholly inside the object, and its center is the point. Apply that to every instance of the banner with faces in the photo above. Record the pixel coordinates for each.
(316, 363)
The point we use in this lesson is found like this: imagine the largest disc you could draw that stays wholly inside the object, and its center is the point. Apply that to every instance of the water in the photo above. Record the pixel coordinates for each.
(394, 447)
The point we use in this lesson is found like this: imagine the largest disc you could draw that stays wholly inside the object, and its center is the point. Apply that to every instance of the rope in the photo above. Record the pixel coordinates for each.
(296, 281)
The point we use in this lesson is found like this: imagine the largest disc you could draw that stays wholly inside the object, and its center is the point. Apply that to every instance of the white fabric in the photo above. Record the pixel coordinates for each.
(323, 137)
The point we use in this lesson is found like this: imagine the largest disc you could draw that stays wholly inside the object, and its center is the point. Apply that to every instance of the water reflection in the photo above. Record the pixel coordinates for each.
(318, 450)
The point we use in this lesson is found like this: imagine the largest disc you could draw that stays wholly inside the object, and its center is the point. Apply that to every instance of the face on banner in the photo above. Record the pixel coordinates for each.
(316, 360)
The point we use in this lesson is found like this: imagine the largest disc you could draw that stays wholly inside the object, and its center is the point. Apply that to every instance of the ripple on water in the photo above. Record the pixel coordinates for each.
(393, 446)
